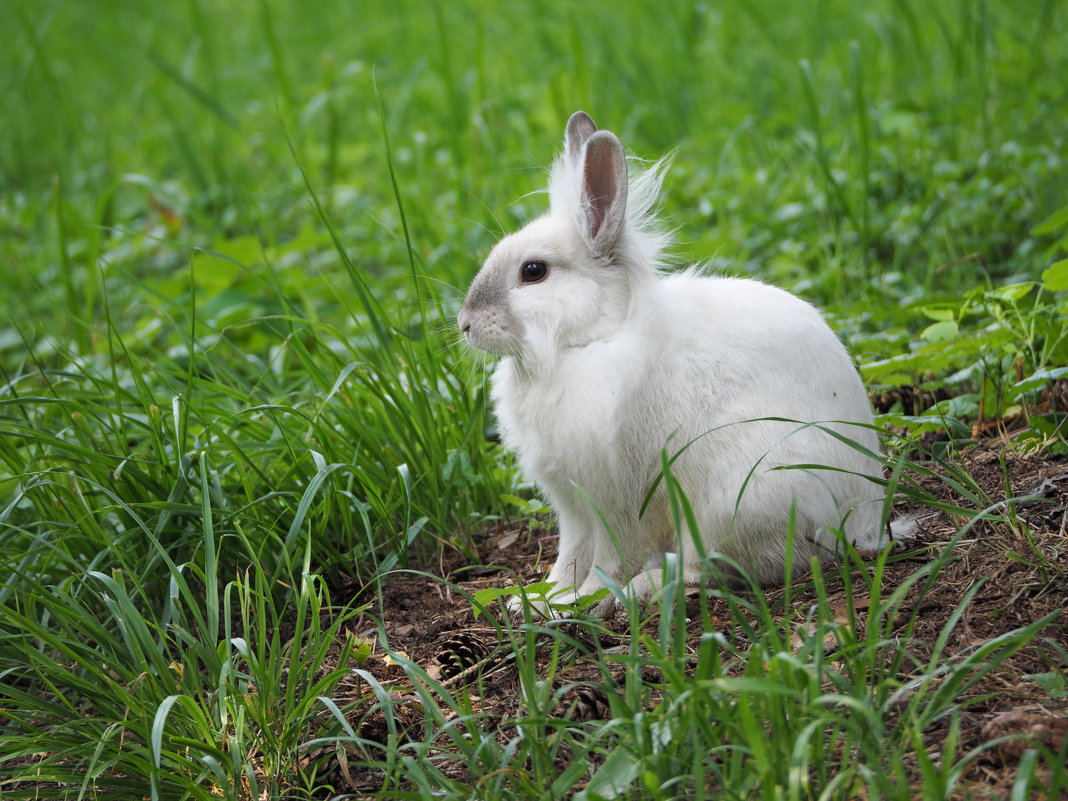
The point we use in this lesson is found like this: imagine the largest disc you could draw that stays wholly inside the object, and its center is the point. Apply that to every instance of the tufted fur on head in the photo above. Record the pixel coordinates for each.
(600, 245)
(641, 240)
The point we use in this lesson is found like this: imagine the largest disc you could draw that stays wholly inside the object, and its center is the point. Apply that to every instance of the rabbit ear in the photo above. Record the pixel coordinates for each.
(579, 128)
(604, 191)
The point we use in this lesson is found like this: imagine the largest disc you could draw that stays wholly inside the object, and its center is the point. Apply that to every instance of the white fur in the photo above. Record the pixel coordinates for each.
(607, 361)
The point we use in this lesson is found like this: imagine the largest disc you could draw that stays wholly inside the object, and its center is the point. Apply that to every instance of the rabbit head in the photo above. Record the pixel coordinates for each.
(569, 277)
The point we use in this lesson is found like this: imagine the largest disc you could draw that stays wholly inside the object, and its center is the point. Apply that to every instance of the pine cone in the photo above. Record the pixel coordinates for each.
(459, 652)
(581, 703)
(1048, 730)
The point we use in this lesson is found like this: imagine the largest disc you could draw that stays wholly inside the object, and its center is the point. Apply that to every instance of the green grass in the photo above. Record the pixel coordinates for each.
(234, 239)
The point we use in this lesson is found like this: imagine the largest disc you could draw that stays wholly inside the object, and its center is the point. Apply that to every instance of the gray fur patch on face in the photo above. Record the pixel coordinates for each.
(485, 292)
(486, 318)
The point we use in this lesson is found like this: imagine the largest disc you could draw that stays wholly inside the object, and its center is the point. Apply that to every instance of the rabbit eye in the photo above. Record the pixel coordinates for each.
(534, 271)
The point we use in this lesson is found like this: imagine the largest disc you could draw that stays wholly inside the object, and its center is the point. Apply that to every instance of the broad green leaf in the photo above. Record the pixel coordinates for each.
(1037, 379)
(534, 506)
(1053, 682)
(1055, 277)
(485, 597)
(585, 602)
(906, 364)
(942, 331)
(1011, 292)
(937, 313)
(488, 595)
(614, 778)
(1054, 222)
(896, 379)
(618, 772)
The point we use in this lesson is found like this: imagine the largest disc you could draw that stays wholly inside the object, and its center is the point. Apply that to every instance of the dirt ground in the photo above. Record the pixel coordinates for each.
(1022, 572)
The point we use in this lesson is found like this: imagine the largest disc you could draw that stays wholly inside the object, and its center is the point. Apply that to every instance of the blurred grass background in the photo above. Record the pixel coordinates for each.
(233, 237)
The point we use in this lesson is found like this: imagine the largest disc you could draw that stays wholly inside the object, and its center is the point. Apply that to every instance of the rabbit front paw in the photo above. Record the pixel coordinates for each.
(545, 606)
(649, 586)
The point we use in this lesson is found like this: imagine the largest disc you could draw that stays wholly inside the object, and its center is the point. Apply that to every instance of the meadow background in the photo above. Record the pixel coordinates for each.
(233, 240)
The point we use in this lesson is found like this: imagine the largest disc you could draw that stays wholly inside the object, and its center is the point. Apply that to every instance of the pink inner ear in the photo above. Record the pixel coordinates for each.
(579, 128)
(600, 185)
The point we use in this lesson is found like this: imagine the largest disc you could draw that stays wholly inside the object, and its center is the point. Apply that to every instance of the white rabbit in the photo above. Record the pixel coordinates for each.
(606, 361)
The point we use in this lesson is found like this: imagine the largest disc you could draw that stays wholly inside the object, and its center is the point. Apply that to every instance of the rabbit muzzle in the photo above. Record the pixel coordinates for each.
(488, 326)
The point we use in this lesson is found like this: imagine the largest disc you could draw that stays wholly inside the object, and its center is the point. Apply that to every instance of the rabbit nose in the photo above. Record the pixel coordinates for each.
(465, 322)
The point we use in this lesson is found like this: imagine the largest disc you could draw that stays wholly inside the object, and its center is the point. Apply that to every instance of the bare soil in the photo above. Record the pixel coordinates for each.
(1020, 572)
